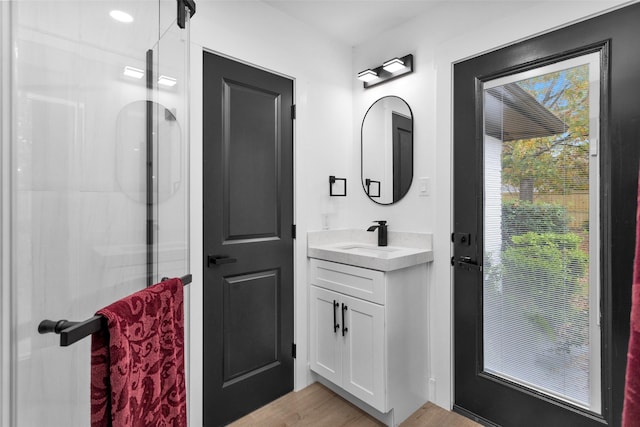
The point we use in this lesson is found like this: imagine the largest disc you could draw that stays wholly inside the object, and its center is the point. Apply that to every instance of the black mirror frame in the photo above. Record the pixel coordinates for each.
(362, 179)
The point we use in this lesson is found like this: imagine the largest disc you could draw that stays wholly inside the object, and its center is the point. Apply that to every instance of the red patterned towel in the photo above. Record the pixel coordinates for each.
(137, 368)
(631, 412)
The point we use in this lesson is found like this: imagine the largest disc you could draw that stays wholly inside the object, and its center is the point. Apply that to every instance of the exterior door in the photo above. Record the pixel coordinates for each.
(248, 242)
(545, 172)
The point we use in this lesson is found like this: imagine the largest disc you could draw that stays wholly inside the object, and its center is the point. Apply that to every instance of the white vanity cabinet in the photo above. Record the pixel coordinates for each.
(350, 351)
(368, 334)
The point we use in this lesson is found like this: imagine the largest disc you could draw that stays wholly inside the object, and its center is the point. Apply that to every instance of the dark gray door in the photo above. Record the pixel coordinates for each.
(248, 242)
(482, 389)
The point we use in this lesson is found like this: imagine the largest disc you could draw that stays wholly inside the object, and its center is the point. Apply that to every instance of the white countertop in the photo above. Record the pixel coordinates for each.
(359, 248)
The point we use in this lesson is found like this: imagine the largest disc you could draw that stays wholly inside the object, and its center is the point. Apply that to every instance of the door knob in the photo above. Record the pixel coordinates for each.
(219, 259)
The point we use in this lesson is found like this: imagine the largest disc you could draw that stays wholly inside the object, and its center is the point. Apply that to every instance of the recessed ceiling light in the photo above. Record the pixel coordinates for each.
(121, 16)
(167, 81)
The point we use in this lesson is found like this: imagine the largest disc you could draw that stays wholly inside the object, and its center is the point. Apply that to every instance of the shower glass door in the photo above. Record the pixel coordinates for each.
(87, 110)
(170, 159)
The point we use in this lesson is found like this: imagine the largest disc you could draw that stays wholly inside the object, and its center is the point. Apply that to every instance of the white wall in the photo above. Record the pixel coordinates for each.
(449, 33)
(331, 104)
(257, 34)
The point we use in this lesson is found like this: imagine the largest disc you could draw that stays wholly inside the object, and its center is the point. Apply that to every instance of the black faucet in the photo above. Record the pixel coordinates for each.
(382, 232)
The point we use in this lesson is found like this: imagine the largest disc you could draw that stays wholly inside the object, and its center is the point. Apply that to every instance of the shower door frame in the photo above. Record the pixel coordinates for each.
(6, 338)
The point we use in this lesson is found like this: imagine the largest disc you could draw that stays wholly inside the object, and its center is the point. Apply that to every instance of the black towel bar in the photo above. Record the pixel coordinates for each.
(71, 332)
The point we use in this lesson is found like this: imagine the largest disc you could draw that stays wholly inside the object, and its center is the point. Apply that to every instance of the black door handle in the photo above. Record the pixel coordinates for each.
(344, 328)
(219, 259)
(466, 263)
(336, 325)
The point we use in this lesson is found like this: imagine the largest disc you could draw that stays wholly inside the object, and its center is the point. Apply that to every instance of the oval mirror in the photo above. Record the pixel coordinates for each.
(387, 150)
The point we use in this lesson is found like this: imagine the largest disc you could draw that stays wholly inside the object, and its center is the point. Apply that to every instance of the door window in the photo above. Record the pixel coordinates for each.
(541, 220)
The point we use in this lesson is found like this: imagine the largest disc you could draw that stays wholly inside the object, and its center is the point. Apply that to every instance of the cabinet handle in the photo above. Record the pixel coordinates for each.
(344, 328)
(336, 325)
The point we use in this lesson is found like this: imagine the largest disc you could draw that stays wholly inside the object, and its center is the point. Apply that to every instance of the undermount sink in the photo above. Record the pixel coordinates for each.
(368, 249)
(358, 248)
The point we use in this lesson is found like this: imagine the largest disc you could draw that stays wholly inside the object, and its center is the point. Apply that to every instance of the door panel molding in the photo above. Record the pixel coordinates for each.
(254, 136)
(250, 321)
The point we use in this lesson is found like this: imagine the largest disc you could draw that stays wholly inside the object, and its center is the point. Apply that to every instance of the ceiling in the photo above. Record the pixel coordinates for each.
(353, 21)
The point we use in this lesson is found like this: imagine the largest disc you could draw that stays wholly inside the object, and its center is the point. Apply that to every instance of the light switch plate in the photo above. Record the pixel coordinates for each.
(424, 186)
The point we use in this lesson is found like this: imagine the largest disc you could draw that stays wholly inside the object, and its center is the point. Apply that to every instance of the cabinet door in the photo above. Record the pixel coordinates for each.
(363, 354)
(326, 342)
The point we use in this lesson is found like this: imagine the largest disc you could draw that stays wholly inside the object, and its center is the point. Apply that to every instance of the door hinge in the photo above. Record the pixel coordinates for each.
(293, 350)
(293, 231)
(293, 111)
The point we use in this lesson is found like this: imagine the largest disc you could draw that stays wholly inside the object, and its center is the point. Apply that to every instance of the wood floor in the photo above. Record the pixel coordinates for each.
(318, 406)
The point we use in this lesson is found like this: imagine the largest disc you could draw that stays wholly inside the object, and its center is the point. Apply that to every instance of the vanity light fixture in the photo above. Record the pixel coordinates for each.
(390, 69)
(121, 16)
(133, 72)
(167, 81)
(393, 65)
(367, 75)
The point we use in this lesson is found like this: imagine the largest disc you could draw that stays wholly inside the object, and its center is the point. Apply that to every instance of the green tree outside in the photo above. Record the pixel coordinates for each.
(534, 164)
(544, 268)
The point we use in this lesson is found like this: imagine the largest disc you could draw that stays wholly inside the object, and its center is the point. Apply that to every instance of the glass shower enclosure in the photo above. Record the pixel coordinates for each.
(95, 120)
